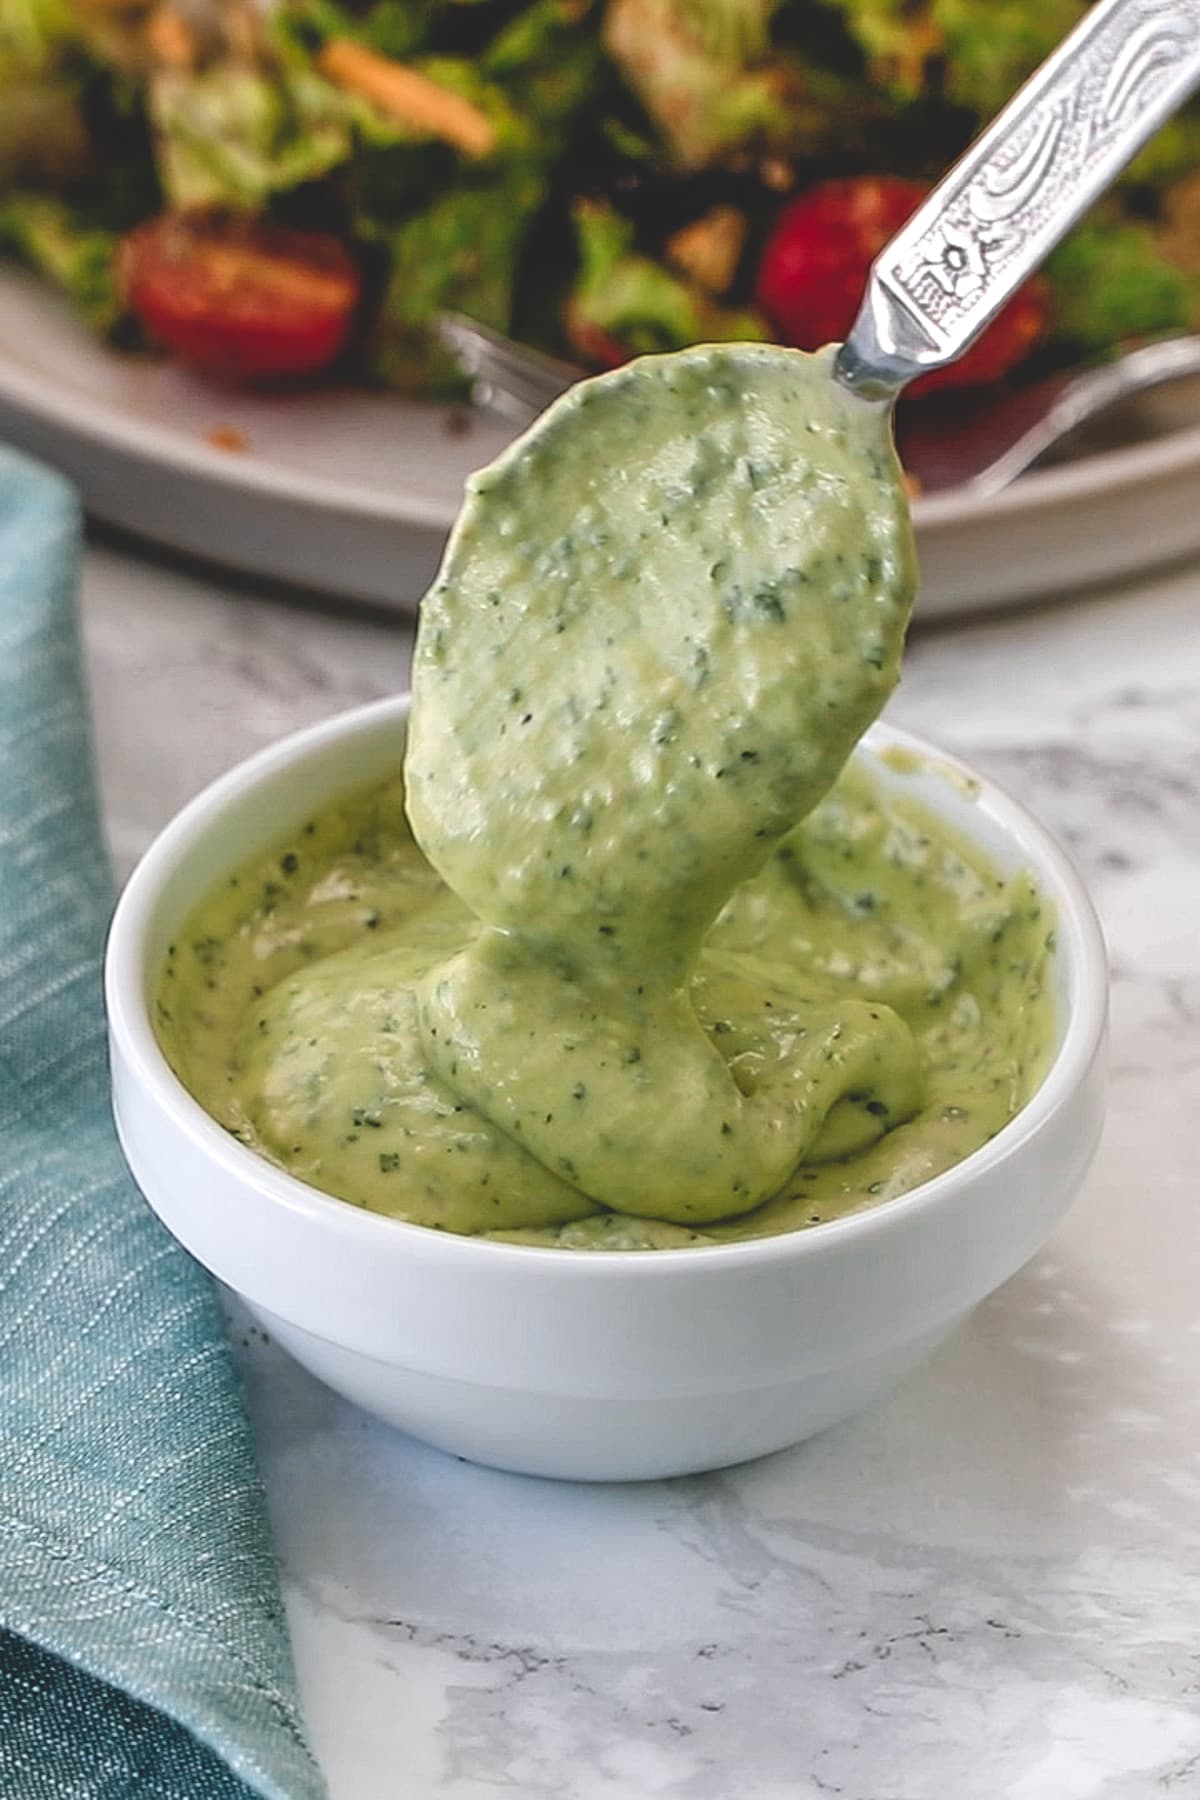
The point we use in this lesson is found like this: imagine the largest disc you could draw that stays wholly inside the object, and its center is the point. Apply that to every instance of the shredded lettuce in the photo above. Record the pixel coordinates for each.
(1111, 281)
(42, 131)
(460, 253)
(694, 71)
(897, 39)
(633, 301)
(990, 49)
(398, 28)
(1172, 154)
(548, 61)
(974, 54)
(232, 137)
(33, 33)
(76, 257)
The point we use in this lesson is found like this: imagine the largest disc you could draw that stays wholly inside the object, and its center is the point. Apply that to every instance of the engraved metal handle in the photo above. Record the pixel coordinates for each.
(1061, 140)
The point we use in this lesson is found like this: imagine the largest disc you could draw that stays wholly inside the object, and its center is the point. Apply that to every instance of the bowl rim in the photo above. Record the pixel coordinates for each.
(1078, 936)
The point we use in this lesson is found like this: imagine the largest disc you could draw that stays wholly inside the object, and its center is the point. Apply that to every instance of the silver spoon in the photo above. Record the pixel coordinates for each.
(1053, 150)
(1057, 145)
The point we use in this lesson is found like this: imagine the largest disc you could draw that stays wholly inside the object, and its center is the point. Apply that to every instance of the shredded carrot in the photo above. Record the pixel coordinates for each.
(171, 39)
(408, 96)
(227, 437)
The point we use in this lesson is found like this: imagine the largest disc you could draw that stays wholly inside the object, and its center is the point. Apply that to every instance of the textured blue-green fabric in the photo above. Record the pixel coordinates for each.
(143, 1649)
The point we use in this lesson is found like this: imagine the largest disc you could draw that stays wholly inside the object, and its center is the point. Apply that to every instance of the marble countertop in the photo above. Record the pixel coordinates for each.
(985, 1588)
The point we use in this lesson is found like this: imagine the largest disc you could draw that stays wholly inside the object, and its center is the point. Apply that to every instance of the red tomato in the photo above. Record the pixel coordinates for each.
(240, 298)
(599, 347)
(815, 266)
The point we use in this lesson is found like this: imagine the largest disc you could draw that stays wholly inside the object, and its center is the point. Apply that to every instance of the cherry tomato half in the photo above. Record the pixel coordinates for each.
(817, 260)
(240, 298)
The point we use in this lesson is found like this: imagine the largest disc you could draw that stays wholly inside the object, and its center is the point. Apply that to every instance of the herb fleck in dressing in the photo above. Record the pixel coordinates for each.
(678, 987)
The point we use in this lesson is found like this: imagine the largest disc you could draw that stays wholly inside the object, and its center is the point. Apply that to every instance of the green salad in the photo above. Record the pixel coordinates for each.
(267, 194)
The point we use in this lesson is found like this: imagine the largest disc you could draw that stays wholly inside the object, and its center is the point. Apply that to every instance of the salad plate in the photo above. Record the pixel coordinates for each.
(350, 493)
(278, 191)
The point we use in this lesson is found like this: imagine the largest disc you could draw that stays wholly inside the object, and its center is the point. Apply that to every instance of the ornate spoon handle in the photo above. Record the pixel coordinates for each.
(1061, 140)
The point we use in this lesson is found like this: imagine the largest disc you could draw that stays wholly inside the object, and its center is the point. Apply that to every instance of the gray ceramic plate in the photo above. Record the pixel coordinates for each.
(351, 493)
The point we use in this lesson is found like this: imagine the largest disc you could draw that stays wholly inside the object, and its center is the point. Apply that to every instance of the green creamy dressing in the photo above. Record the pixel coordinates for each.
(655, 975)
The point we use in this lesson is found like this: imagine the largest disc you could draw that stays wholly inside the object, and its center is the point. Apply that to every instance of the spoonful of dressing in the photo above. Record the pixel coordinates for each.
(664, 619)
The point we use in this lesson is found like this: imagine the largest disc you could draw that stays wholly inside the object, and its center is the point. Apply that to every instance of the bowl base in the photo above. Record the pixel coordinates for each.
(588, 1437)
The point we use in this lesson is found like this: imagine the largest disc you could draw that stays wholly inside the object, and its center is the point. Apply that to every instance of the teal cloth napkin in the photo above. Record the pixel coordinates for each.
(143, 1649)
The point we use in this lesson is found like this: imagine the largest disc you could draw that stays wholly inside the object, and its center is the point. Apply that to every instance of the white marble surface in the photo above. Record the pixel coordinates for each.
(990, 1586)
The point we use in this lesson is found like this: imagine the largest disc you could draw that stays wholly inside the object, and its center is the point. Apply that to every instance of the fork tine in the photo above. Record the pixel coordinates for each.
(511, 379)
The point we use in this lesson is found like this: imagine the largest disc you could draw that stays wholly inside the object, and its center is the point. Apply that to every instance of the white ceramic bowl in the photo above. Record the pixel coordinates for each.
(601, 1365)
